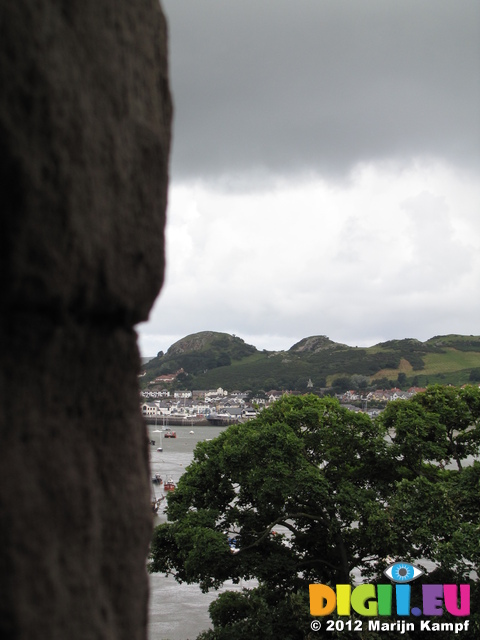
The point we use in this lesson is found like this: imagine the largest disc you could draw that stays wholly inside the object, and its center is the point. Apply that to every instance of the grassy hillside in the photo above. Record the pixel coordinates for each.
(212, 359)
(198, 353)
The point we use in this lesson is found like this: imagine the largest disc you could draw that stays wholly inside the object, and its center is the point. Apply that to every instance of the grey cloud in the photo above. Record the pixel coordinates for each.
(317, 85)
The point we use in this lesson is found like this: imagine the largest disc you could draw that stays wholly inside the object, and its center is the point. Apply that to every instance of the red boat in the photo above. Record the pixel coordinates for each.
(169, 485)
(169, 433)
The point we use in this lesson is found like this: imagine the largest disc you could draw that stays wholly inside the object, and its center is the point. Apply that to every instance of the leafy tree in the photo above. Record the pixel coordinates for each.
(259, 613)
(457, 412)
(256, 393)
(359, 382)
(224, 360)
(297, 488)
(310, 492)
(474, 375)
(342, 383)
(434, 512)
(416, 437)
(182, 380)
(402, 379)
(441, 424)
(383, 383)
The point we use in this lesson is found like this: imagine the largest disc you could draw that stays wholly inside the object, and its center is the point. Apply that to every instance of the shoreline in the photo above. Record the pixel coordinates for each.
(177, 421)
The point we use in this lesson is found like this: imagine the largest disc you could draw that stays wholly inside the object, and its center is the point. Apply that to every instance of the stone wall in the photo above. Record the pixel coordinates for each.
(85, 117)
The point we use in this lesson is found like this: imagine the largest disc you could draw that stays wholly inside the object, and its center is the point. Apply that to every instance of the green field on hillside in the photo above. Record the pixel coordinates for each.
(211, 360)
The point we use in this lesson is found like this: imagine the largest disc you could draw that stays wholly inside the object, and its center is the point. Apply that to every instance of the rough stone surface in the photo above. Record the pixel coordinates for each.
(84, 141)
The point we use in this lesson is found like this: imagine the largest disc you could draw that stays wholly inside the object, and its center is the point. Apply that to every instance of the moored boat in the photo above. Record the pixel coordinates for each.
(169, 485)
(156, 503)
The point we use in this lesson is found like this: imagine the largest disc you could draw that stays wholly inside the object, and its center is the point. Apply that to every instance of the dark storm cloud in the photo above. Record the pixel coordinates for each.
(320, 85)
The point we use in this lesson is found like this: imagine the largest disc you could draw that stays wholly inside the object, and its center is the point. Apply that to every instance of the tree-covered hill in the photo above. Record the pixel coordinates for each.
(198, 353)
(210, 359)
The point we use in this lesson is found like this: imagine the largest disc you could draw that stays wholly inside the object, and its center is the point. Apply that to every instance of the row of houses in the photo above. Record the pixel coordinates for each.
(210, 394)
(379, 395)
(206, 402)
(203, 402)
(166, 378)
(219, 401)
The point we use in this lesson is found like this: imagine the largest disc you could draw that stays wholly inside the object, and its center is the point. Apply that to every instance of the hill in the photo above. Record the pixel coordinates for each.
(211, 359)
(199, 353)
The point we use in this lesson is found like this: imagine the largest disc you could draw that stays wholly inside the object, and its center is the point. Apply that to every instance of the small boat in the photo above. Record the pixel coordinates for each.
(169, 485)
(156, 503)
(156, 479)
(233, 544)
(169, 433)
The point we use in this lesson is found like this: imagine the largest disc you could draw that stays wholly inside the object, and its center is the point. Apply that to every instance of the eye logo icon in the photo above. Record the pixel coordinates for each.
(402, 572)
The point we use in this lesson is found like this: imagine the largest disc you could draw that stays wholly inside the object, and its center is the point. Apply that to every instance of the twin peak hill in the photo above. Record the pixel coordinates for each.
(210, 359)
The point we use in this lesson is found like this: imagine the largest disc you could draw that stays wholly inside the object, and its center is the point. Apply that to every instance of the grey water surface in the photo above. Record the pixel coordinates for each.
(177, 611)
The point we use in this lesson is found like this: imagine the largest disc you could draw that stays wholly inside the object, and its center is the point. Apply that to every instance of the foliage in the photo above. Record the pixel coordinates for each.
(402, 379)
(306, 465)
(440, 425)
(312, 492)
(461, 343)
(475, 375)
(259, 613)
(198, 353)
(217, 359)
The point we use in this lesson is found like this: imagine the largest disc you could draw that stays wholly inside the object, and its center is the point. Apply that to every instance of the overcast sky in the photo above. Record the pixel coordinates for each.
(325, 171)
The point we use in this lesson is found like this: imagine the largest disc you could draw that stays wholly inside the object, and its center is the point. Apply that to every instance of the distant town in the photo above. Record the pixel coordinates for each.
(219, 406)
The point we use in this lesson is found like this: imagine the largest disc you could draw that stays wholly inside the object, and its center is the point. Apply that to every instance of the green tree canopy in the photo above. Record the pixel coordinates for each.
(310, 492)
(442, 425)
(306, 470)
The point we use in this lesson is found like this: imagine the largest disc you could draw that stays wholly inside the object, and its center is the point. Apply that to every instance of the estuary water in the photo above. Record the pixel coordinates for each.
(177, 611)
